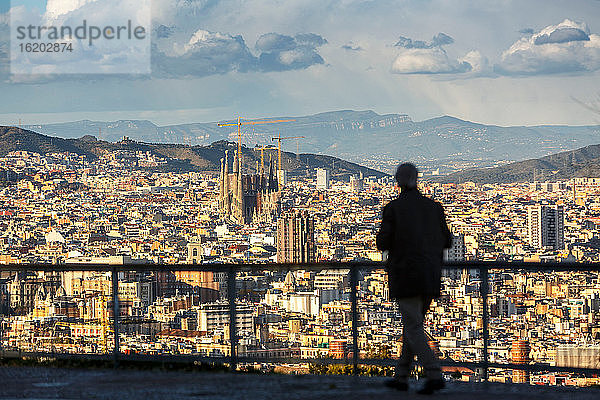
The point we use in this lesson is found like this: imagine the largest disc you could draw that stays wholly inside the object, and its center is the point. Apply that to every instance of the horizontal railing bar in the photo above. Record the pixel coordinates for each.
(109, 357)
(524, 265)
(227, 267)
(184, 358)
(224, 267)
(543, 368)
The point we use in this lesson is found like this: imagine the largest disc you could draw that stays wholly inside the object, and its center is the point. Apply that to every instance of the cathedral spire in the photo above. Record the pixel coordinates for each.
(226, 202)
(271, 179)
(221, 184)
(235, 162)
(234, 189)
(240, 192)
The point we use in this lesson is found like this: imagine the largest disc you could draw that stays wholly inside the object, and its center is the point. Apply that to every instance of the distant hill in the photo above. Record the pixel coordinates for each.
(583, 162)
(13, 139)
(365, 137)
(179, 157)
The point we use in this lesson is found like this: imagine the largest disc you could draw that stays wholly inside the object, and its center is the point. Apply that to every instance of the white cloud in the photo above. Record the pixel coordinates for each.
(208, 53)
(204, 53)
(55, 8)
(566, 31)
(179, 48)
(564, 48)
(441, 39)
(428, 61)
(282, 52)
(275, 42)
(86, 55)
(420, 57)
(476, 60)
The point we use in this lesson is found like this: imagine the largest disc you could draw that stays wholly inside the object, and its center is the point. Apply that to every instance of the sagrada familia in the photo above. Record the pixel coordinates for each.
(248, 198)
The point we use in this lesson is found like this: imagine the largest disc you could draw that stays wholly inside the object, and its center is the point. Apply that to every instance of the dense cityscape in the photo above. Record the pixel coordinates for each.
(64, 208)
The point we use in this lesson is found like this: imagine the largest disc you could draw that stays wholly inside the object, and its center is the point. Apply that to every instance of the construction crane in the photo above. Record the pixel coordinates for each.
(279, 139)
(240, 122)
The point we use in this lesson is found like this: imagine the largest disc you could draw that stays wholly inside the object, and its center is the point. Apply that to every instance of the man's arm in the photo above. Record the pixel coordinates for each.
(385, 237)
(446, 232)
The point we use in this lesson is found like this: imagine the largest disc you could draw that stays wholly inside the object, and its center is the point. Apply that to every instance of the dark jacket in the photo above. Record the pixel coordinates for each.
(414, 231)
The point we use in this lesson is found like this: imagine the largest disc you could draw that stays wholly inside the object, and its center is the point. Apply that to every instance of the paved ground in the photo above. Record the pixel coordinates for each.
(58, 383)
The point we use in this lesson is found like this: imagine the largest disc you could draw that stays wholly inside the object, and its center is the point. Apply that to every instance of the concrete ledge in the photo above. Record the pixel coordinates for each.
(63, 383)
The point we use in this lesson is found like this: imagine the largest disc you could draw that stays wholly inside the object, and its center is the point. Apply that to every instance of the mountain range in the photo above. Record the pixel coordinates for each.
(365, 137)
(178, 157)
(583, 162)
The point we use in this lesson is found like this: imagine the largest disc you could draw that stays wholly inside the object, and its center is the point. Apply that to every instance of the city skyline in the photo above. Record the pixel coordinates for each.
(65, 208)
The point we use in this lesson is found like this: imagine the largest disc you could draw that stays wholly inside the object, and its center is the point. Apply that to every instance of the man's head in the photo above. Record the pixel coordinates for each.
(406, 176)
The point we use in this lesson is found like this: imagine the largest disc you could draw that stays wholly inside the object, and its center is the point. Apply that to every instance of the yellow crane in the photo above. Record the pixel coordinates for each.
(279, 139)
(240, 123)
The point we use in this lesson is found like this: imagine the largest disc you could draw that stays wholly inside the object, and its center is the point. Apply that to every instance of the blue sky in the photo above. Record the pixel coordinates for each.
(498, 62)
(40, 4)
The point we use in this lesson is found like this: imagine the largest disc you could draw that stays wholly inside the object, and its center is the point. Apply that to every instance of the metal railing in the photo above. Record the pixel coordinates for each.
(233, 360)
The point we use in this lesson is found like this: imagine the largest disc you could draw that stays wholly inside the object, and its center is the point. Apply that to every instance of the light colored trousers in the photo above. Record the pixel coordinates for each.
(414, 342)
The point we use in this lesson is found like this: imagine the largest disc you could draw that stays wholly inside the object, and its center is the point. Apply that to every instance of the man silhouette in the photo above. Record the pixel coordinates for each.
(414, 232)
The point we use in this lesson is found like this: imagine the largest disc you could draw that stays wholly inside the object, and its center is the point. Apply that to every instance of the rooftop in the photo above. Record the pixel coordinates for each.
(63, 383)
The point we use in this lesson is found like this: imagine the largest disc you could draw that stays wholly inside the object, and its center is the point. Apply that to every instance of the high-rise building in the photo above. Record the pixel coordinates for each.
(282, 177)
(323, 176)
(456, 252)
(545, 226)
(213, 316)
(247, 198)
(356, 183)
(296, 238)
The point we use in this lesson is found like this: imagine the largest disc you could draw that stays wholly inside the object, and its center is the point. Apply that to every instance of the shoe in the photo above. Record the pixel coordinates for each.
(431, 385)
(397, 384)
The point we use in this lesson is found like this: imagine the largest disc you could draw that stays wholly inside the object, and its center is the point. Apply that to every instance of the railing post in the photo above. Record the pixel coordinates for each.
(354, 309)
(231, 295)
(486, 334)
(116, 313)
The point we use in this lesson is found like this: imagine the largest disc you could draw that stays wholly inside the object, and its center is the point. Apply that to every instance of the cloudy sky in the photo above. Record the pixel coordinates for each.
(497, 62)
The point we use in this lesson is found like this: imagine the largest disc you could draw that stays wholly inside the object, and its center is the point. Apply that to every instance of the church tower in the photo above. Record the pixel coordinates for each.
(247, 198)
